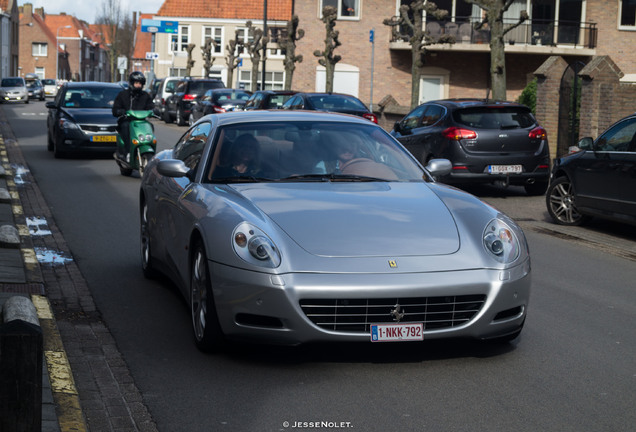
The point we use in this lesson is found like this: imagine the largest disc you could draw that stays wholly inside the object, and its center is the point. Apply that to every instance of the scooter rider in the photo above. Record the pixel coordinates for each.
(132, 98)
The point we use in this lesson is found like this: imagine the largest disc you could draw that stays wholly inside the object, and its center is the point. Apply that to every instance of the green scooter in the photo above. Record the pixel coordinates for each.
(143, 143)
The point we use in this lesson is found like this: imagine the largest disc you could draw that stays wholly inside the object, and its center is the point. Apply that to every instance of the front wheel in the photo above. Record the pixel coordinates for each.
(560, 201)
(147, 264)
(142, 162)
(207, 331)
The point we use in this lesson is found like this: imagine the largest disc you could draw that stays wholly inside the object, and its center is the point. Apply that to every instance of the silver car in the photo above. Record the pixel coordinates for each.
(13, 89)
(290, 227)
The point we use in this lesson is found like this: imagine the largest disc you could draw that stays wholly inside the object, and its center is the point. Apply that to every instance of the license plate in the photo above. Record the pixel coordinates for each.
(504, 169)
(397, 332)
(104, 138)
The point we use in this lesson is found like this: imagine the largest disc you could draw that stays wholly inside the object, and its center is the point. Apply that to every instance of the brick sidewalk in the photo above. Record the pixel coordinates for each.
(108, 397)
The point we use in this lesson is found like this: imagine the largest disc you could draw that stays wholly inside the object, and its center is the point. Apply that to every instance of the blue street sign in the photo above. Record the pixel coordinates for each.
(371, 34)
(159, 26)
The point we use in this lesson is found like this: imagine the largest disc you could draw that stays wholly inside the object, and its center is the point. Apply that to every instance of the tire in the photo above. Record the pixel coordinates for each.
(147, 264)
(142, 162)
(207, 331)
(191, 120)
(57, 152)
(561, 203)
(49, 142)
(166, 117)
(180, 120)
(26, 101)
(536, 189)
(127, 172)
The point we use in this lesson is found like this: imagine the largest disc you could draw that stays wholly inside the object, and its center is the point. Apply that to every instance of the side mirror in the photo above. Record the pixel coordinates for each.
(172, 168)
(50, 104)
(586, 143)
(439, 167)
(396, 126)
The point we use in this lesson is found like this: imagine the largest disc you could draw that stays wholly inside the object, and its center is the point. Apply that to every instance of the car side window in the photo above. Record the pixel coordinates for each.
(412, 119)
(432, 115)
(620, 138)
(190, 147)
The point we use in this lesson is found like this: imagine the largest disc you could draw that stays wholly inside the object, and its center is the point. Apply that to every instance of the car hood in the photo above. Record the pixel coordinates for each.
(358, 219)
(91, 115)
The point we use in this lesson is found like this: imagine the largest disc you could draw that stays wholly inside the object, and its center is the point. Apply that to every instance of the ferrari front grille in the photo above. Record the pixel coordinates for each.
(356, 315)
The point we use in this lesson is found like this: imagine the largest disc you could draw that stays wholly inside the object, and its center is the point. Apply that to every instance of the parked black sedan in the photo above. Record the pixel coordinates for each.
(597, 179)
(330, 102)
(216, 101)
(80, 118)
(487, 141)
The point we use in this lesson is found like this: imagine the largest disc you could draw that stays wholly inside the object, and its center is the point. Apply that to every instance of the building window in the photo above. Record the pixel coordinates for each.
(627, 16)
(180, 41)
(178, 72)
(273, 80)
(215, 33)
(243, 36)
(276, 34)
(347, 9)
(39, 49)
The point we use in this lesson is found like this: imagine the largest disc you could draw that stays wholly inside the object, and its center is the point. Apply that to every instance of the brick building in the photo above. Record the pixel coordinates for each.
(82, 53)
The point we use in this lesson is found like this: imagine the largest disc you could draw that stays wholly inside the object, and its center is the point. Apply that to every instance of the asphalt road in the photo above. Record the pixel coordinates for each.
(572, 369)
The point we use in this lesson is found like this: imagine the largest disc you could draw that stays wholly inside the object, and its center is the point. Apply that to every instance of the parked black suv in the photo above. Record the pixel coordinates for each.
(487, 141)
(178, 105)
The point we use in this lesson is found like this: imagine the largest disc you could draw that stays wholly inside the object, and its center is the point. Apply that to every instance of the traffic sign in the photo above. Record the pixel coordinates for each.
(152, 56)
(159, 26)
(371, 35)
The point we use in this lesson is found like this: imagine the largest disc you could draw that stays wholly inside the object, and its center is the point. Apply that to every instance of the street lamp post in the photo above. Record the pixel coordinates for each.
(57, 52)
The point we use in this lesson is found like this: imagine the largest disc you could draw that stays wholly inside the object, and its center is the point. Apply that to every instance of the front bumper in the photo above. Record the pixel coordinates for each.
(267, 308)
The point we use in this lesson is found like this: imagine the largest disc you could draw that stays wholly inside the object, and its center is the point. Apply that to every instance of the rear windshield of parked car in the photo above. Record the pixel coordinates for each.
(495, 117)
(200, 87)
(331, 102)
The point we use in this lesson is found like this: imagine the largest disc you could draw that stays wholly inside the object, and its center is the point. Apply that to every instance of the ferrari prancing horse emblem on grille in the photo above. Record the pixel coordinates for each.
(393, 263)
(397, 313)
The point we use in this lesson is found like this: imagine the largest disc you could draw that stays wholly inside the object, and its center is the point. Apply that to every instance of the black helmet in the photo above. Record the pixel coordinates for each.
(136, 77)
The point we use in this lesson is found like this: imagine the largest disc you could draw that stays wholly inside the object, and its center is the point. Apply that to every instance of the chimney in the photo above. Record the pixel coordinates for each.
(39, 11)
(27, 9)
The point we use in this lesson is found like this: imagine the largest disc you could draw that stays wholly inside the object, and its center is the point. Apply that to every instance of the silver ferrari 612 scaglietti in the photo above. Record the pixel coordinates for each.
(291, 227)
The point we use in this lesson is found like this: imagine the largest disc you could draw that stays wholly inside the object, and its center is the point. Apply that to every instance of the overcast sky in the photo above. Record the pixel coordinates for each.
(87, 10)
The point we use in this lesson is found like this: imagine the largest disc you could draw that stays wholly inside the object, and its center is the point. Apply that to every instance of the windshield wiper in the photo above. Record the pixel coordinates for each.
(242, 179)
(331, 177)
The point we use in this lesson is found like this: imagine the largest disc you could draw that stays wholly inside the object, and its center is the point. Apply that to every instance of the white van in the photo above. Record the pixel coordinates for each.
(167, 87)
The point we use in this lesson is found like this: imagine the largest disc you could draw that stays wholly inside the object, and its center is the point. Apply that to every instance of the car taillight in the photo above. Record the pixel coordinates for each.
(189, 97)
(371, 117)
(456, 134)
(218, 109)
(537, 133)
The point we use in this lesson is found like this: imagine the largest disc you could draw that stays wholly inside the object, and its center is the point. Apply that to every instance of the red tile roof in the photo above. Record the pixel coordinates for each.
(279, 10)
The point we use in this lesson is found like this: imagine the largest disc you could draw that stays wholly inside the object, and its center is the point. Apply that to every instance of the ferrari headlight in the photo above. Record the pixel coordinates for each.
(254, 246)
(501, 241)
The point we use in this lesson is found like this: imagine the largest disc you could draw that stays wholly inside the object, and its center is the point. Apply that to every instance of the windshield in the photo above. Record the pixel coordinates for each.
(12, 82)
(495, 117)
(48, 82)
(309, 151)
(90, 97)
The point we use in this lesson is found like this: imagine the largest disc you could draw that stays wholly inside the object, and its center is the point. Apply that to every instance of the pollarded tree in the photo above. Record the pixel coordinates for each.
(494, 14)
(409, 26)
(190, 61)
(288, 43)
(233, 57)
(254, 46)
(329, 60)
(208, 59)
